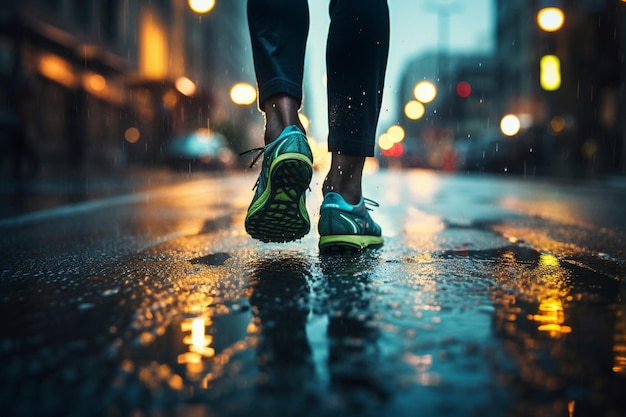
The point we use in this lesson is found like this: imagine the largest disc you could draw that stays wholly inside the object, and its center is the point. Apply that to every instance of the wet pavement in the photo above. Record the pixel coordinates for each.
(492, 296)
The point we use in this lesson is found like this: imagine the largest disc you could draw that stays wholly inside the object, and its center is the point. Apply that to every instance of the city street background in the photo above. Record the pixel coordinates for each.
(128, 286)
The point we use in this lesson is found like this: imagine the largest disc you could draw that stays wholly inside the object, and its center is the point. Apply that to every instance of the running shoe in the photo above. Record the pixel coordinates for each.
(278, 209)
(346, 226)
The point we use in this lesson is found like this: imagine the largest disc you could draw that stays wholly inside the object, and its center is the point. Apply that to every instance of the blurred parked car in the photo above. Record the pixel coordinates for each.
(202, 149)
(492, 151)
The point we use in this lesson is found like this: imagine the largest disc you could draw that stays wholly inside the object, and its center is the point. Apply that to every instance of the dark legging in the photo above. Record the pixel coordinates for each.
(356, 60)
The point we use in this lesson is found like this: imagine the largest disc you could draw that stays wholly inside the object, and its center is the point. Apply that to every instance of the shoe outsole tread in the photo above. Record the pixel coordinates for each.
(279, 214)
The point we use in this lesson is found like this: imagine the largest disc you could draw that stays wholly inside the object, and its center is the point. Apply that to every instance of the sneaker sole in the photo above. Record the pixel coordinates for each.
(279, 214)
(349, 242)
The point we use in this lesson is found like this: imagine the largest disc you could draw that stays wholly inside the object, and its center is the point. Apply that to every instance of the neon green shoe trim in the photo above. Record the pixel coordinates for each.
(279, 214)
(358, 242)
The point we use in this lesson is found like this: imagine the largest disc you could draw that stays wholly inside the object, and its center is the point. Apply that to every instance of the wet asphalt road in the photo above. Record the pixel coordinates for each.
(492, 296)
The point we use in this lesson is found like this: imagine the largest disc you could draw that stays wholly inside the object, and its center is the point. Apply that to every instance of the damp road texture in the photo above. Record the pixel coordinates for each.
(492, 296)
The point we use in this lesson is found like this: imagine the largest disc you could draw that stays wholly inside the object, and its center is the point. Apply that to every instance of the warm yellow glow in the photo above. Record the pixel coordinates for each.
(197, 335)
(425, 91)
(551, 317)
(201, 6)
(414, 110)
(152, 48)
(510, 125)
(198, 340)
(384, 142)
(243, 94)
(57, 69)
(550, 72)
(95, 82)
(132, 135)
(185, 86)
(550, 19)
(546, 260)
(396, 133)
(557, 124)
(304, 120)
(170, 98)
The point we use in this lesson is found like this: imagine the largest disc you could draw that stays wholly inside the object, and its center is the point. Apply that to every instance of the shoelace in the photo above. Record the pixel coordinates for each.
(371, 203)
(260, 151)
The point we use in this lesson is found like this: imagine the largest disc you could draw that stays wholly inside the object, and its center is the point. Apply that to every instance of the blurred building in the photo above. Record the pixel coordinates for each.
(565, 83)
(105, 83)
(564, 86)
(463, 89)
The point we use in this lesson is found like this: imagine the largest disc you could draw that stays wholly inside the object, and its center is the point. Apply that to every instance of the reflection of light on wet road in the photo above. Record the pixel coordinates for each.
(551, 317)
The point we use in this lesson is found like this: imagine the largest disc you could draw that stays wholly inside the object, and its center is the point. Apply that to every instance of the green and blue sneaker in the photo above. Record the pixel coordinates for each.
(344, 226)
(278, 209)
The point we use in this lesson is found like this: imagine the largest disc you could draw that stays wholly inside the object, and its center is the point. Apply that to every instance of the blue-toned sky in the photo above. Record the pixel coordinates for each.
(413, 31)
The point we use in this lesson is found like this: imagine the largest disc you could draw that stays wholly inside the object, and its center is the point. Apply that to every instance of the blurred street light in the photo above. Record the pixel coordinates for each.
(201, 6)
(396, 133)
(185, 86)
(414, 110)
(425, 91)
(510, 125)
(243, 94)
(550, 19)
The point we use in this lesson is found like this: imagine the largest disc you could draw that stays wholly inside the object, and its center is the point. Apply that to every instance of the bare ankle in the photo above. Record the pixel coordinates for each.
(345, 177)
(281, 110)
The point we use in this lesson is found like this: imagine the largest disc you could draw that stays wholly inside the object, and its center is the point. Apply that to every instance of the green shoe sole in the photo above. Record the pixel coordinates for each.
(279, 214)
(349, 242)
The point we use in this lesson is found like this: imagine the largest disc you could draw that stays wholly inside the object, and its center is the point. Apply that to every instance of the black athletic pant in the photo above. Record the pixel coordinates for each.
(356, 60)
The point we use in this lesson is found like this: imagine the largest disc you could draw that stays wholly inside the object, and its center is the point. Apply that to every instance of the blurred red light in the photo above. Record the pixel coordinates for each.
(464, 89)
(395, 151)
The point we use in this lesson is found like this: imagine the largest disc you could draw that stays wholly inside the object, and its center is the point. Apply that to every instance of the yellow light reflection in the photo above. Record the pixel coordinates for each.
(414, 110)
(548, 260)
(550, 19)
(551, 317)
(198, 343)
(425, 91)
(201, 6)
(243, 94)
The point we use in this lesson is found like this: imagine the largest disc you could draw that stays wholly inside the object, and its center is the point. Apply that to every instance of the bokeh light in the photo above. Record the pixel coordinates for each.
(396, 133)
(425, 91)
(510, 125)
(243, 94)
(185, 86)
(414, 110)
(132, 135)
(550, 19)
(201, 6)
